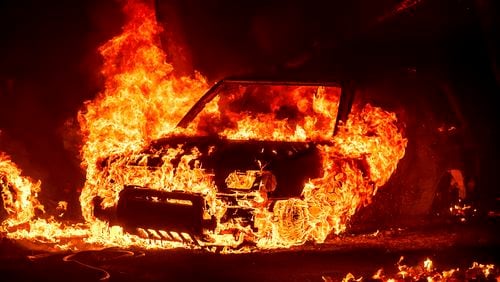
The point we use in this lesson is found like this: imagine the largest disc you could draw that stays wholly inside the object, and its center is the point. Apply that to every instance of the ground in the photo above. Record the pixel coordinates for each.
(448, 246)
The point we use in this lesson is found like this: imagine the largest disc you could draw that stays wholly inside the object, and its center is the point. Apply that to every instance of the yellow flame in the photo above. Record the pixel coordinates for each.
(19, 194)
(477, 272)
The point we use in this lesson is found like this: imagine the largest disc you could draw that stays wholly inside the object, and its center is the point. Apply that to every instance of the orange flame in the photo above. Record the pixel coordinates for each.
(142, 100)
(19, 194)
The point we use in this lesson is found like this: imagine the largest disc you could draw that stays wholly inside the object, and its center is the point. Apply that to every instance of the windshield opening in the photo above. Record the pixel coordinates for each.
(283, 112)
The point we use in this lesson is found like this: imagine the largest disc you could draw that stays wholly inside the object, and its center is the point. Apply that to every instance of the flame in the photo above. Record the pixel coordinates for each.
(19, 194)
(143, 99)
(426, 272)
(314, 122)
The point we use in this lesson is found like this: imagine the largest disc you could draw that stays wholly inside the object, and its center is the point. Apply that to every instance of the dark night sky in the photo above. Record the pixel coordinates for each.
(49, 64)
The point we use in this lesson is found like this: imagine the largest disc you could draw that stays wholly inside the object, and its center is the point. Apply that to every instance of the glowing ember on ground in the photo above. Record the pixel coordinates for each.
(427, 272)
(143, 100)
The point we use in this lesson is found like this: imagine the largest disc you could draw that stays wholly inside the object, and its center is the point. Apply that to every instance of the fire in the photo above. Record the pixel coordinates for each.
(26, 218)
(321, 111)
(427, 272)
(19, 194)
(143, 100)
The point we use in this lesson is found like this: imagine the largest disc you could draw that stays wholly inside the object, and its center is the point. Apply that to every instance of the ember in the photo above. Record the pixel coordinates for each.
(427, 272)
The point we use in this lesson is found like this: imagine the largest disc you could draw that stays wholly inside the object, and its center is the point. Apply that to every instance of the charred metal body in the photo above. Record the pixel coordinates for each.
(248, 174)
(287, 166)
(292, 163)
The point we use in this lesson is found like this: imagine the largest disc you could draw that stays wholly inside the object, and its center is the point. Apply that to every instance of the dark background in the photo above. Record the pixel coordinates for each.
(433, 62)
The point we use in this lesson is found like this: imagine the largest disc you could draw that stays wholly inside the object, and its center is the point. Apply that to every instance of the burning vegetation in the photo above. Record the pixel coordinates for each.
(144, 100)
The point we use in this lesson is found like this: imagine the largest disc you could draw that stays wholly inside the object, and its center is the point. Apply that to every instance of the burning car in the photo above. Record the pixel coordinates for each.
(254, 163)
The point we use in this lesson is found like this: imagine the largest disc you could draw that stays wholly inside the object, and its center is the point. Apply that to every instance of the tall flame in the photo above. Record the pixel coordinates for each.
(142, 99)
(19, 194)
